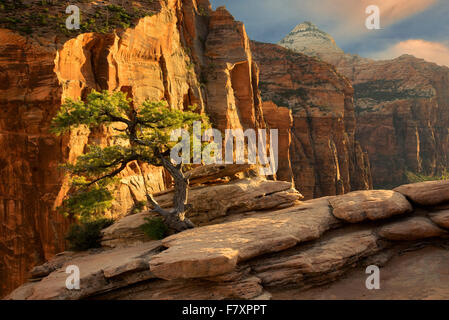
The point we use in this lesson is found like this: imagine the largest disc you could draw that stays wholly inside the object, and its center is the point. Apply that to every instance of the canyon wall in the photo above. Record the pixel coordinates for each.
(401, 108)
(325, 157)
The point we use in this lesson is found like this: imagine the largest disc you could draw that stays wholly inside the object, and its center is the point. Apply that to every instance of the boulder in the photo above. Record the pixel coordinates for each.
(441, 218)
(208, 204)
(126, 231)
(369, 205)
(426, 193)
(414, 228)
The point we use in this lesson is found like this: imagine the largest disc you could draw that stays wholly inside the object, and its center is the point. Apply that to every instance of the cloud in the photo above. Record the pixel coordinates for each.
(348, 16)
(429, 51)
(344, 20)
(392, 11)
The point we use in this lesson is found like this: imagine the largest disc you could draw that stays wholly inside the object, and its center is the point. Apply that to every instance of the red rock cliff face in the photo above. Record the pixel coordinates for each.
(29, 94)
(325, 157)
(161, 57)
(280, 118)
(230, 74)
(402, 108)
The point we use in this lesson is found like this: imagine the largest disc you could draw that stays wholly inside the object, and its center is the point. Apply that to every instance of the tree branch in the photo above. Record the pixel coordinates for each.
(115, 172)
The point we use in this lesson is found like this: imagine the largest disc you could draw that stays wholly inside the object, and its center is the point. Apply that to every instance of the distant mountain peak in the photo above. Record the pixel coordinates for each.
(307, 38)
(306, 26)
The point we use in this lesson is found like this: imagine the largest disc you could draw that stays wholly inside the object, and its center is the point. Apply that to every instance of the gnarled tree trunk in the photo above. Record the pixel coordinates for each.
(176, 217)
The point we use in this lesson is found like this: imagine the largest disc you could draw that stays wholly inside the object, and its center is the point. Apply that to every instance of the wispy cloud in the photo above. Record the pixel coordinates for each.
(268, 20)
(430, 51)
(348, 16)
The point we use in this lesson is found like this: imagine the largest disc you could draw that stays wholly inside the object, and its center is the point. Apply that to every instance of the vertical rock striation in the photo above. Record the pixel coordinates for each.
(231, 75)
(325, 157)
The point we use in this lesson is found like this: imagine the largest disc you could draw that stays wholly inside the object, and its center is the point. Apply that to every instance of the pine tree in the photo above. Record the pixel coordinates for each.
(145, 137)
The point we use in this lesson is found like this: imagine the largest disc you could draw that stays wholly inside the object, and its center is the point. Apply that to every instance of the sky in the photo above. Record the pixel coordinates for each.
(417, 27)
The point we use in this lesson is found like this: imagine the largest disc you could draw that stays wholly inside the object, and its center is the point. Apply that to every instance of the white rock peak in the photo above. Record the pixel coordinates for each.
(307, 38)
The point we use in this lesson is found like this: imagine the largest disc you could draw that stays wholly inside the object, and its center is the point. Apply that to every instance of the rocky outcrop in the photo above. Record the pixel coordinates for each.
(245, 258)
(419, 274)
(216, 249)
(210, 204)
(325, 157)
(102, 270)
(369, 205)
(441, 218)
(426, 193)
(401, 108)
(322, 263)
(411, 229)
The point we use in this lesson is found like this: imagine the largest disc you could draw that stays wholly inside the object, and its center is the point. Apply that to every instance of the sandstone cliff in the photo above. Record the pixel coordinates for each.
(325, 157)
(178, 51)
(401, 108)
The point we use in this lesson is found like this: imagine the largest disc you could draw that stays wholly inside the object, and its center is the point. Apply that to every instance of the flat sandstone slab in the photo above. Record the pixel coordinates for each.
(426, 193)
(216, 249)
(358, 206)
(244, 195)
(99, 272)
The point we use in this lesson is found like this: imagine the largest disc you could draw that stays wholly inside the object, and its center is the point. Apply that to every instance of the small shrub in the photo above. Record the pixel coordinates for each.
(138, 207)
(413, 177)
(203, 12)
(87, 235)
(154, 228)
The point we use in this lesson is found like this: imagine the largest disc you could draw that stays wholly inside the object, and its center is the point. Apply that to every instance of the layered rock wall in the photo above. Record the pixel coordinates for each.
(402, 113)
(325, 157)
(401, 106)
